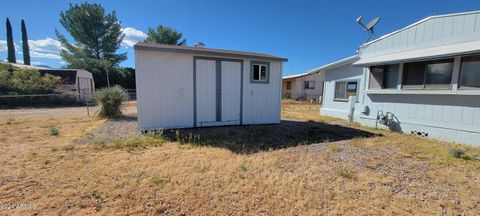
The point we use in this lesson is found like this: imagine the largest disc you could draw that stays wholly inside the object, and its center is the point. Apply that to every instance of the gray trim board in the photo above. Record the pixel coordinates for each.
(251, 72)
(218, 88)
(218, 69)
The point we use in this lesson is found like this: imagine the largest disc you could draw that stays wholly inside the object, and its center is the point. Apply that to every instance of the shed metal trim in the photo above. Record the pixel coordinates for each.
(207, 51)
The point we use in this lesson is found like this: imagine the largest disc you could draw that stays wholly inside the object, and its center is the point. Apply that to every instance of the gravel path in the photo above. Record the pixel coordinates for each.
(112, 129)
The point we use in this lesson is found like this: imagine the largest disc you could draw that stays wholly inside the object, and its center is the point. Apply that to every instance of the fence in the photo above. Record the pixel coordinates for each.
(43, 100)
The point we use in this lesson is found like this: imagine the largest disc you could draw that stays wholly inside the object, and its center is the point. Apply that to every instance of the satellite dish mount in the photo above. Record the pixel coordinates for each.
(369, 27)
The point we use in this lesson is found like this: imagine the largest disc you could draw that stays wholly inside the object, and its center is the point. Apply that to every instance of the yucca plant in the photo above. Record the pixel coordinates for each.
(110, 101)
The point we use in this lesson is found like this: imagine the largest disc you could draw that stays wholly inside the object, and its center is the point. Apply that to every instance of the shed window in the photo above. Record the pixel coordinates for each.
(384, 77)
(470, 72)
(343, 90)
(289, 85)
(309, 84)
(428, 75)
(260, 72)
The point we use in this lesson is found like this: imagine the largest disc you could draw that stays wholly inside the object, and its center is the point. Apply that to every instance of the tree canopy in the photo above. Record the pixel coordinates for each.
(10, 44)
(97, 37)
(25, 48)
(165, 35)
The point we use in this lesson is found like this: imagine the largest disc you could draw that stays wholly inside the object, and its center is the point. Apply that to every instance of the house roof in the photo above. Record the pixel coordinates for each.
(417, 23)
(205, 51)
(341, 62)
(295, 76)
(438, 52)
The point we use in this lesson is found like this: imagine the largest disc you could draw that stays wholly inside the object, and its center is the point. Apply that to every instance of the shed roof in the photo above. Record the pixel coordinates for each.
(205, 51)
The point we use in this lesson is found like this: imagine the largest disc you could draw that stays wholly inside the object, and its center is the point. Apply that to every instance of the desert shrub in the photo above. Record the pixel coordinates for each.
(110, 101)
(54, 131)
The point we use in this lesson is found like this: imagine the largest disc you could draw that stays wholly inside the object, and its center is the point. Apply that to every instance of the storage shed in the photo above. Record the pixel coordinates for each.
(184, 87)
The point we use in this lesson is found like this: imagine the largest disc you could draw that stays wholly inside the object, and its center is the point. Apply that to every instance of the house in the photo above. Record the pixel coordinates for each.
(341, 81)
(184, 87)
(423, 80)
(75, 81)
(307, 86)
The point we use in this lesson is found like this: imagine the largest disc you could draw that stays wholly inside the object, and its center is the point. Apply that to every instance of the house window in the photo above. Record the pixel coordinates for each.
(309, 84)
(260, 72)
(289, 85)
(384, 77)
(345, 89)
(428, 75)
(470, 72)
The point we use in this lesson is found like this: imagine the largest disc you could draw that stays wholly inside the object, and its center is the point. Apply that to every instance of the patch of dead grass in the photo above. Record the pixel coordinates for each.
(393, 174)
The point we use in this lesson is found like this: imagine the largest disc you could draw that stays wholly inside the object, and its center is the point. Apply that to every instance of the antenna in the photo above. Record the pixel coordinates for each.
(369, 27)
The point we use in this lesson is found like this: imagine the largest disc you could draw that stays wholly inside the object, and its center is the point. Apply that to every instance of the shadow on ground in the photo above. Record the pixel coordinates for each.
(254, 138)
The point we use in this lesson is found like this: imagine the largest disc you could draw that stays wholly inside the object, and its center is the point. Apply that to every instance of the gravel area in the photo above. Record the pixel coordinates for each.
(112, 129)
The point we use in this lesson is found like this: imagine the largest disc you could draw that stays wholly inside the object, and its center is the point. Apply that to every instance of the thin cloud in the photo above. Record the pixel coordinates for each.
(132, 36)
(36, 54)
(47, 45)
(3, 46)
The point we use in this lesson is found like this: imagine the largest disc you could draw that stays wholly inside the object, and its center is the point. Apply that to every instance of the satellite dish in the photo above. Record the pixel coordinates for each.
(369, 27)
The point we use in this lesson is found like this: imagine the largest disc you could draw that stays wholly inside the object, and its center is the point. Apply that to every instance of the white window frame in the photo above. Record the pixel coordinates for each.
(260, 65)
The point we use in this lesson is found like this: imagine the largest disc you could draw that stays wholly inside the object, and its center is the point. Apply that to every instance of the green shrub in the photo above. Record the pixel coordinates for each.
(27, 81)
(110, 101)
(456, 153)
(54, 131)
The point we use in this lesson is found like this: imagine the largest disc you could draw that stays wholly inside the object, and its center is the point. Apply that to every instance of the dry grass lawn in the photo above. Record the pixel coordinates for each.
(387, 174)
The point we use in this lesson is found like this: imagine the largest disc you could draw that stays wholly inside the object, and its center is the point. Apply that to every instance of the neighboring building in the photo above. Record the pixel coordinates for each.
(303, 86)
(183, 87)
(423, 80)
(76, 81)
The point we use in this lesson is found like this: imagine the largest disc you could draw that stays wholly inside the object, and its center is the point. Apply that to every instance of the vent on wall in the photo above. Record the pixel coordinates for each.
(419, 133)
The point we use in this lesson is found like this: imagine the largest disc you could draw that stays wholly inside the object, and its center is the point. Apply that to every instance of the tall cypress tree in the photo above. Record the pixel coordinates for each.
(26, 49)
(10, 45)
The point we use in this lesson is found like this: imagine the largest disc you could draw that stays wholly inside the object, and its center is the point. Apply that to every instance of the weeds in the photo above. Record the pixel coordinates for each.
(243, 168)
(68, 148)
(159, 180)
(54, 131)
(345, 172)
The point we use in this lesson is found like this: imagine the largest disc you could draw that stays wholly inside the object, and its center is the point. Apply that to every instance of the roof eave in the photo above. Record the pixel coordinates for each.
(139, 46)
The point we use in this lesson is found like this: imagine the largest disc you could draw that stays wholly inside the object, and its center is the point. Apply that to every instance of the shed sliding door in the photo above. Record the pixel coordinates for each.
(218, 92)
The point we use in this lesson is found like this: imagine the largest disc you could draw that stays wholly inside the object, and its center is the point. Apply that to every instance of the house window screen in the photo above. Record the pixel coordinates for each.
(470, 72)
(309, 84)
(345, 89)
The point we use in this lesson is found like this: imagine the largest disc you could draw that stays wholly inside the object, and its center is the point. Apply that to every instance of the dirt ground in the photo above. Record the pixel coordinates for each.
(308, 165)
(26, 113)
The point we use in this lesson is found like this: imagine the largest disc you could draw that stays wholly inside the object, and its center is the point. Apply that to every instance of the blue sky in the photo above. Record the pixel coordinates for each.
(309, 33)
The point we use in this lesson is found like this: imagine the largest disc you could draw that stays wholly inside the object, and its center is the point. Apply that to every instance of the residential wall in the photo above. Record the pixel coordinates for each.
(298, 90)
(340, 109)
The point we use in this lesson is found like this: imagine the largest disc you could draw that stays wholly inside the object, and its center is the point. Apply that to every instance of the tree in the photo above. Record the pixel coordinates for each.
(165, 35)
(97, 38)
(26, 49)
(10, 45)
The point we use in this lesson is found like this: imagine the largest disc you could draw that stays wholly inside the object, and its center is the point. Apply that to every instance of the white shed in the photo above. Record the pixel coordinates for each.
(184, 87)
